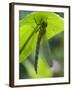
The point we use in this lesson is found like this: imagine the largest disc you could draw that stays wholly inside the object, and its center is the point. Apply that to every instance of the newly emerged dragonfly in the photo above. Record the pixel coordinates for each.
(41, 29)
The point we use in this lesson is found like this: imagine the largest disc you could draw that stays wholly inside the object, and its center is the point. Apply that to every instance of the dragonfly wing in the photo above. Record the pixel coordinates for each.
(45, 51)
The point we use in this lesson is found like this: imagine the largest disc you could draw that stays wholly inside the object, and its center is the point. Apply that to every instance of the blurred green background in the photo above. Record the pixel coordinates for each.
(55, 51)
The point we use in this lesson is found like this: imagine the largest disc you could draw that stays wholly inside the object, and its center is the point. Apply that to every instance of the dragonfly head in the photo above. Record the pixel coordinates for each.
(44, 23)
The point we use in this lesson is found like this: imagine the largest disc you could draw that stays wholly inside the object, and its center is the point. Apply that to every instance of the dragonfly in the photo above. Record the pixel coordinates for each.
(41, 29)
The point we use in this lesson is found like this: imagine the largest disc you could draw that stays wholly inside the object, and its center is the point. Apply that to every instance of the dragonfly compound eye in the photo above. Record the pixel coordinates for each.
(44, 25)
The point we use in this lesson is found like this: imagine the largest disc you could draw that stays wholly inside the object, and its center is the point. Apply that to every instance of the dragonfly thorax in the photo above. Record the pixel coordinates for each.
(43, 24)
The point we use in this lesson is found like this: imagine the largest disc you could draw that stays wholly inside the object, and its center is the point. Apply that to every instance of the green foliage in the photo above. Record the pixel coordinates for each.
(44, 70)
(55, 25)
(57, 51)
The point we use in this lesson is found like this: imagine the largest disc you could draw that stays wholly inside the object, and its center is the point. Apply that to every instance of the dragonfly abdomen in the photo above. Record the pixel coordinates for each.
(42, 31)
(37, 51)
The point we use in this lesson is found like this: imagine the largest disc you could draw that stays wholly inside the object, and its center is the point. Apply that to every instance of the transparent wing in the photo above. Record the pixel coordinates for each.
(45, 51)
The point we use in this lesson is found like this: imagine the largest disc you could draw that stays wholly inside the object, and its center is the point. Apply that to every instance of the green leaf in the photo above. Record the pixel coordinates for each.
(55, 25)
(44, 71)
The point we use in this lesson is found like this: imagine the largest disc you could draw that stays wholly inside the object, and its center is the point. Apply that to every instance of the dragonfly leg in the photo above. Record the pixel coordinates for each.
(36, 21)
